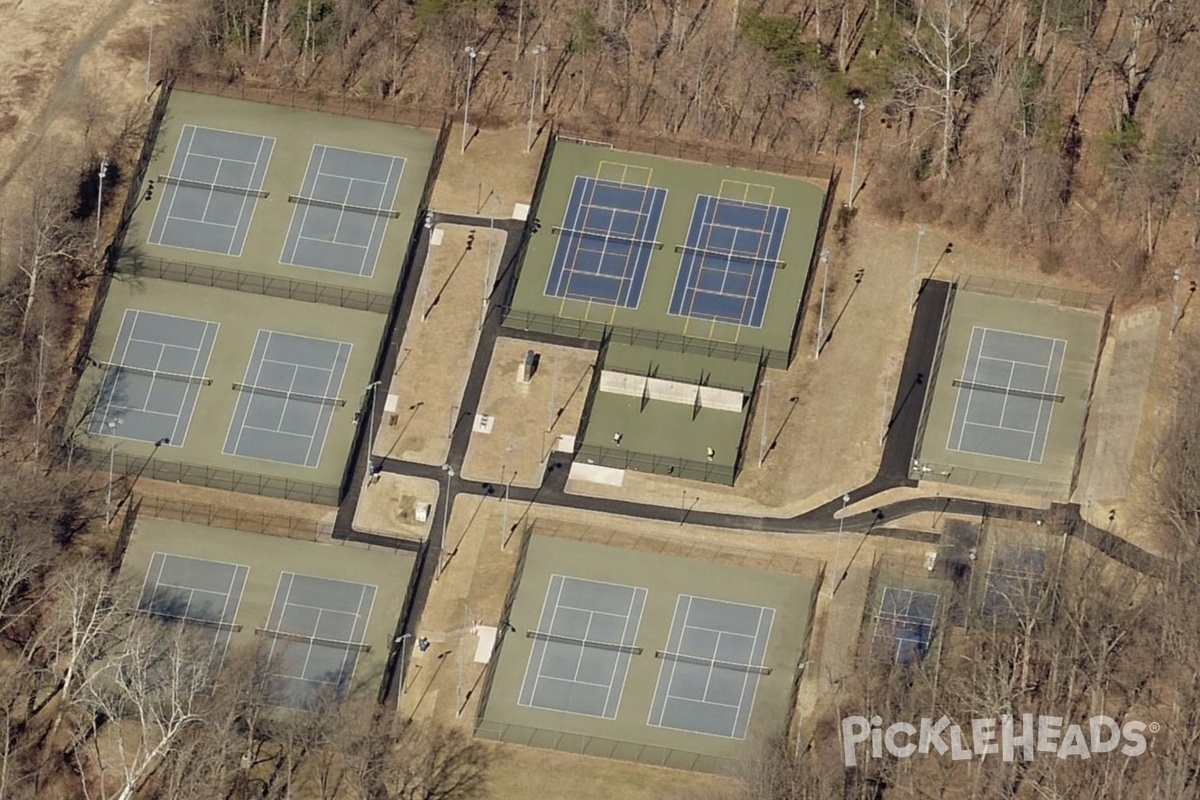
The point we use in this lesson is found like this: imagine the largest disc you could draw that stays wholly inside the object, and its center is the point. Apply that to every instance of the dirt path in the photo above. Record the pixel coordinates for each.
(47, 42)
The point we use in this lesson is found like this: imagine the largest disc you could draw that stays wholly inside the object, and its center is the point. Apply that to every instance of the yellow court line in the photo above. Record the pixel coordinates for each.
(625, 168)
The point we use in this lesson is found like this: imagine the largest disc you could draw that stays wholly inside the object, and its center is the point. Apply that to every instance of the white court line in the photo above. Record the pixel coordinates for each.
(1050, 418)
(754, 694)
(309, 647)
(174, 188)
(998, 427)
(162, 560)
(250, 399)
(637, 592)
(362, 266)
(341, 380)
(545, 645)
(198, 387)
(352, 245)
(969, 392)
(284, 258)
(254, 186)
(663, 669)
(612, 678)
(669, 695)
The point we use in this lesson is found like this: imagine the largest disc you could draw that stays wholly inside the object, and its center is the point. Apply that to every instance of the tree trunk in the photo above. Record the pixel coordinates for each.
(262, 41)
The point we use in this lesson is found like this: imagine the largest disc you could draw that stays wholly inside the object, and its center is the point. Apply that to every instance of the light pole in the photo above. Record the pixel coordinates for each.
(861, 106)
(891, 365)
(504, 516)
(150, 48)
(449, 470)
(537, 52)
(837, 550)
(821, 316)
(487, 267)
(762, 433)
(100, 201)
(401, 640)
(1175, 277)
(371, 442)
(468, 615)
(912, 286)
(112, 457)
(471, 54)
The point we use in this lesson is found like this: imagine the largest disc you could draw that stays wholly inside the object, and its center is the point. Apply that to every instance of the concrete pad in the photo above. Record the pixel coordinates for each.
(594, 473)
(1117, 407)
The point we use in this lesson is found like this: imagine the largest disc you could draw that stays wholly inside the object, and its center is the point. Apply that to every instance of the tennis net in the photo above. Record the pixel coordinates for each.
(730, 256)
(213, 187)
(284, 394)
(586, 643)
(288, 636)
(207, 623)
(987, 387)
(354, 209)
(607, 236)
(199, 380)
(712, 662)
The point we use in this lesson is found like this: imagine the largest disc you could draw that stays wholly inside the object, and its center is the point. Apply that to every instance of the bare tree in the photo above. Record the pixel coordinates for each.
(140, 704)
(946, 50)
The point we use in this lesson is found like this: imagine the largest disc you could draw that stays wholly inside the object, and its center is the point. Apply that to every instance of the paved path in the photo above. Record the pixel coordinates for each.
(893, 471)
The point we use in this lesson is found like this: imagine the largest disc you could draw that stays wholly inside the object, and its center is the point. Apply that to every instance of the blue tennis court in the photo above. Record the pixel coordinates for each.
(605, 242)
(211, 189)
(153, 378)
(903, 625)
(1007, 394)
(342, 210)
(287, 398)
(728, 261)
(714, 656)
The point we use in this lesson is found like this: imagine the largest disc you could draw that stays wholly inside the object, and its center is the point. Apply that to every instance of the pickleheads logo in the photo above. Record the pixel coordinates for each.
(1005, 737)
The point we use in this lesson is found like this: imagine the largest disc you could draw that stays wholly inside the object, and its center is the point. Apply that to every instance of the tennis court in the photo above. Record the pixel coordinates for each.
(153, 377)
(644, 655)
(209, 194)
(903, 625)
(1014, 582)
(1007, 394)
(203, 594)
(645, 250)
(342, 210)
(287, 397)
(1010, 388)
(318, 618)
(729, 260)
(582, 646)
(606, 241)
(315, 629)
(711, 666)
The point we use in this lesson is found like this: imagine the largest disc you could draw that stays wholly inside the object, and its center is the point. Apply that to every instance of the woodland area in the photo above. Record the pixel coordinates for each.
(1064, 128)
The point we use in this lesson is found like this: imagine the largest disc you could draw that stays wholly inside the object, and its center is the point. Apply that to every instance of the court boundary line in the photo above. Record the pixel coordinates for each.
(228, 252)
(262, 361)
(712, 668)
(970, 393)
(111, 385)
(545, 647)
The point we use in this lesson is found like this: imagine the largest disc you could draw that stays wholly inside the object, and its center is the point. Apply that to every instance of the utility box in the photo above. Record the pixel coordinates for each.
(528, 367)
(421, 512)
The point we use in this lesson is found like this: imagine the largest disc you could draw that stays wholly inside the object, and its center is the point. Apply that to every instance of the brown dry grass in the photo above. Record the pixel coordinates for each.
(526, 420)
(495, 165)
(387, 506)
(435, 356)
